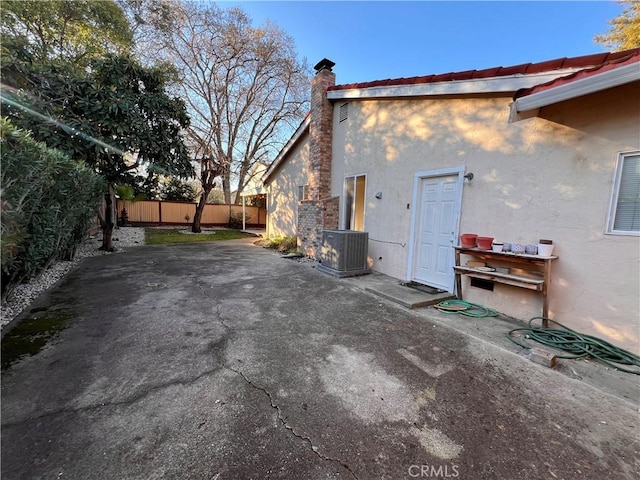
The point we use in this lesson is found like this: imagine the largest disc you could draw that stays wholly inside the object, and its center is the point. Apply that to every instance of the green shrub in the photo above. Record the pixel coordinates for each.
(48, 202)
(282, 244)
(235, 220)
(178, 191)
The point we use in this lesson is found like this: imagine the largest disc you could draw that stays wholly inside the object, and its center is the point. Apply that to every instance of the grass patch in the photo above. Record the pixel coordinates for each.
(160, 236)
(30, 335)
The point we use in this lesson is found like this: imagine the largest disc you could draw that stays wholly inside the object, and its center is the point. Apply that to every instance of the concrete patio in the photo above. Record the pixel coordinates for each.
(225, 361)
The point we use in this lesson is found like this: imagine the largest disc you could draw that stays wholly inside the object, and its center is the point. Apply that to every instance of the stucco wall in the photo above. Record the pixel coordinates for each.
(546, 177)
(282, 197)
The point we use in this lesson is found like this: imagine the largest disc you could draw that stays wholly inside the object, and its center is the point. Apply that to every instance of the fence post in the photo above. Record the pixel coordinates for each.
(160, 212)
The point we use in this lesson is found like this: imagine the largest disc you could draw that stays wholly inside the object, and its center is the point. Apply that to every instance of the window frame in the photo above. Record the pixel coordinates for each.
(303, 193)
(615, 192)
(345, 206)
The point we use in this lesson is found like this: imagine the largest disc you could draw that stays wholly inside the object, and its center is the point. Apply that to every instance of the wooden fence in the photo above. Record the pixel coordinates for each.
(157, 212)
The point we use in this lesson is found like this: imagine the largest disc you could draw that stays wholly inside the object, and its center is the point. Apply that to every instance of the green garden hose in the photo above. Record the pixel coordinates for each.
(465, 308)
(577, 345)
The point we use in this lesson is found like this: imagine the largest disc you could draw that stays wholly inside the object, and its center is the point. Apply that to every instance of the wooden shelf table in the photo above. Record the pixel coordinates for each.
(526, 262)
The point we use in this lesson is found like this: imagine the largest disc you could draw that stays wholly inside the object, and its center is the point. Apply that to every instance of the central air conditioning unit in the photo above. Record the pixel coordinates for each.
(344, 253)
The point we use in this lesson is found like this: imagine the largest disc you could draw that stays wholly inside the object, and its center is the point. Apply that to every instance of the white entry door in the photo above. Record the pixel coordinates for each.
(435, 230)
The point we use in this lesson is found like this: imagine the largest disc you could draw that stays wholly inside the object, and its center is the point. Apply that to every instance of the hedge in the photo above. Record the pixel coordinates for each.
(48, 202)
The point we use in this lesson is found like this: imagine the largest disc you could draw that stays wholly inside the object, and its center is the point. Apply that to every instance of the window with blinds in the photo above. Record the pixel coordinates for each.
(624, 215)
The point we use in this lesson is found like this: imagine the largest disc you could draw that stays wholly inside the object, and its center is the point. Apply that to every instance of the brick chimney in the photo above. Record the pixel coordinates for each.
(319, 211)
(321, 131)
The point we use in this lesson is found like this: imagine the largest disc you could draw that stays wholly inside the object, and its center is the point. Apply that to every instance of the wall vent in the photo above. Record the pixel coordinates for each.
(344, 253)
(481, 283)
(344, 112)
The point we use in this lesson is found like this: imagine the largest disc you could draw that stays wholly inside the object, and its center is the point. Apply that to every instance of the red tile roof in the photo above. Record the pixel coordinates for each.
(585, 61)
(630, 57)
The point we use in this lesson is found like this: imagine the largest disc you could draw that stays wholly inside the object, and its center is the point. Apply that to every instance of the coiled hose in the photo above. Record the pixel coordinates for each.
(465, 308)
(577, 345)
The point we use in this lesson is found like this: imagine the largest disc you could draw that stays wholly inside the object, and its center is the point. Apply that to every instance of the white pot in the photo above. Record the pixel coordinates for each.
(545, 250)
(496, 247)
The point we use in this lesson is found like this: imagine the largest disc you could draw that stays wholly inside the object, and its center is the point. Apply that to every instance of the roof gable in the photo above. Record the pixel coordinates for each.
(522, 80)
(282, 155)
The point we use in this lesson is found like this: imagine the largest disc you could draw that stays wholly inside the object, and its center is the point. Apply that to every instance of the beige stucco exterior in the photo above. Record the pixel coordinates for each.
(549, 176)
(282, 192)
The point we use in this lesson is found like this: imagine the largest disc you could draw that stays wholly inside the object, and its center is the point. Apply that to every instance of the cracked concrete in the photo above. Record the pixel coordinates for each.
(240, 365)
(282, 420)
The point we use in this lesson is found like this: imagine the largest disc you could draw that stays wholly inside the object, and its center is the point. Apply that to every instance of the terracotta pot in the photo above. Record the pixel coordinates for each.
(484, 243)
(468, 240)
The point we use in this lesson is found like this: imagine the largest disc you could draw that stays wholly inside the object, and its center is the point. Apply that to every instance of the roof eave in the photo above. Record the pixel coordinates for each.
(527, 106)
(502, 84)
(252, 192)
(285, 150)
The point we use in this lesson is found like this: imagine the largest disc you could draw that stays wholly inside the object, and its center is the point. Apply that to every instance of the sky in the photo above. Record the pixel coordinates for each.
(392, 39)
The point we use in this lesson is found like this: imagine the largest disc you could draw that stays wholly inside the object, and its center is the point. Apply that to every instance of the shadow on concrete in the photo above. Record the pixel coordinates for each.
(494, 330)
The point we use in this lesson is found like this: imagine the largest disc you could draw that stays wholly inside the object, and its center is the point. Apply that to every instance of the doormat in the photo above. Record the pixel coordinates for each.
(424, 288)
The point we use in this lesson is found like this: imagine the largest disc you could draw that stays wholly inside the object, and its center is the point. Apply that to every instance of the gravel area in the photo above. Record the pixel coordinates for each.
(23, 295)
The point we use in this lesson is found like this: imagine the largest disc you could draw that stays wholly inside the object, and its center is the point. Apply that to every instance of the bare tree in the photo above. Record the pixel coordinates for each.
(208, 170)
(148, 19)
(244, 88)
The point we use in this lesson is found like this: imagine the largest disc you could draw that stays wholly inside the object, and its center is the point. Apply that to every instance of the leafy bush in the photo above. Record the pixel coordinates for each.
(235, 220)
(178, 190)
(282, 244)
(48, 202)
(216, 196)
